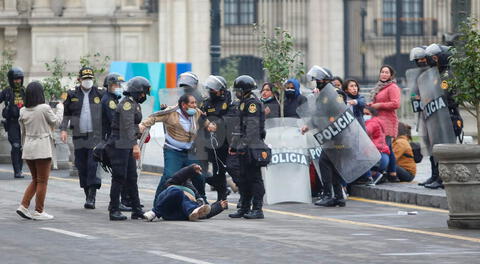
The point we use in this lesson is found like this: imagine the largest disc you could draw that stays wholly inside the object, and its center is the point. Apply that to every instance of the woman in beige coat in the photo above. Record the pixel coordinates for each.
(37, 123)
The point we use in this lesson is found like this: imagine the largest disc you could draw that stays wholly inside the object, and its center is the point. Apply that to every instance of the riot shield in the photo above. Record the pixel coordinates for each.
(339, 134)
(435, 110)
(287, 177)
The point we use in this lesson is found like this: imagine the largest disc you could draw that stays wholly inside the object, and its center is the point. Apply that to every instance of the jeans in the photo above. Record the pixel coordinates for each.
(392, 163)
(380, 166)
(40, 169)
(404, 175)
(173, 204)
(174, 160)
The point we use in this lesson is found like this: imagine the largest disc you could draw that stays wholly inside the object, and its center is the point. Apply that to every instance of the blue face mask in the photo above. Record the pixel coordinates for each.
(266, 99)
(367, 117)
(191, 111)
(118, 92)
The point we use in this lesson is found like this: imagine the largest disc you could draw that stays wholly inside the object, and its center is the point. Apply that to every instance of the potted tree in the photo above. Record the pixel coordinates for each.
(460, 164)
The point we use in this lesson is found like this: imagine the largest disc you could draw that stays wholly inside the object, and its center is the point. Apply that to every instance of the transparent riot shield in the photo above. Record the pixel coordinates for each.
(344, 141)
(435, 110)
(287, 177)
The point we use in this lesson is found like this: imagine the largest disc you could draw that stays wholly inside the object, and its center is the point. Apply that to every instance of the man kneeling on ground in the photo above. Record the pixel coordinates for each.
(181, 201)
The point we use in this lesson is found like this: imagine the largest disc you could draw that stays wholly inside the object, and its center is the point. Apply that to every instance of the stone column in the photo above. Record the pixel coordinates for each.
(74, 8)
(42, 8)
(10, 43)
(10, 8)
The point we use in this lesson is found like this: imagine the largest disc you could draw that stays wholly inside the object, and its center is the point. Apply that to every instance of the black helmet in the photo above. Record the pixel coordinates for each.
(188, 79)
(244, 83)
(317, 73)
(14, 74)
(216, 83)
(113, 78)
(138, 85)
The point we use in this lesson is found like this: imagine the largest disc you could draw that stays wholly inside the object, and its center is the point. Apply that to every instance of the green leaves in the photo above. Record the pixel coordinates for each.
(7, 64)
(52, 85)
(95, 61)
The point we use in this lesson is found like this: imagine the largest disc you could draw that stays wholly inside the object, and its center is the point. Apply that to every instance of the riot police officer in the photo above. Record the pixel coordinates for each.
(249, 133)
(437, 56)
(84, 118)
(13, 97)
(123, 149)
(216, 107)
(113, 85)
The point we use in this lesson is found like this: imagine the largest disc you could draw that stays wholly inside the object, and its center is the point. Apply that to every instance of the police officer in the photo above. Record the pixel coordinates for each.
(123, 147)
(188, 81)
(250, 132)
(216, 107)
(13, 97)
(437, 56)
(82, 110)
(330, 176)
(113, 85)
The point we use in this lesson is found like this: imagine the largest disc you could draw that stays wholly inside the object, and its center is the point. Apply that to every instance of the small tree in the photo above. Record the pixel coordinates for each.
(7, 64)
(52, 85)
(280, 59)
(95, 61)
(465, 64)
(230, 70)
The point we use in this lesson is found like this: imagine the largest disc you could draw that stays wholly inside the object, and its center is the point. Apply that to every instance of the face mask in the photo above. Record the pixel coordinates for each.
(191, 111)
(289, 92)
(87, 84)
(266, 99)
(320, 85)
(367, 117)
(238, 95)
(141, 100)
(188, 89)
(118, 92)
(18, 85)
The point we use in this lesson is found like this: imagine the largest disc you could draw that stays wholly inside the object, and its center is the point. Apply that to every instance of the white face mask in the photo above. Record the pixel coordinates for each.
(367, 117)
(87, 84)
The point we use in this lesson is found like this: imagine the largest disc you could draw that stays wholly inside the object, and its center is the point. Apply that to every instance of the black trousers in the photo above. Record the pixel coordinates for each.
(124, 173)
(435, 172)
(250, 184)
(87, 168)
(14, 137)
(218, 179)
(331, 178)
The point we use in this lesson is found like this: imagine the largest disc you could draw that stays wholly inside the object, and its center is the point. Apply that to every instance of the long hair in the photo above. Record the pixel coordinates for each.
(404, 130)
(34, 94)
(347, 82)
(390, 68)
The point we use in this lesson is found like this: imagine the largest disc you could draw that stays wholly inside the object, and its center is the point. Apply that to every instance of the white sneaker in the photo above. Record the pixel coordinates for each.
(199, 212)
(23, 212)
(149, 216)
(41, 216)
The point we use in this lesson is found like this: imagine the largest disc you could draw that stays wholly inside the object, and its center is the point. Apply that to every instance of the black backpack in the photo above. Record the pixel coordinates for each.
(417, 152)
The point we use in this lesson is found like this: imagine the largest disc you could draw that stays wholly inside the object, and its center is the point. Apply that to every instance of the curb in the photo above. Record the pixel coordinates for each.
(391, 193)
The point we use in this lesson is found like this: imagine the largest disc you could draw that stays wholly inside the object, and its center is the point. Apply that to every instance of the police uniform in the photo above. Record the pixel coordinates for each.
(13, 100)
(250, 131)
(125, 133)
(217, 146)
(85, 142)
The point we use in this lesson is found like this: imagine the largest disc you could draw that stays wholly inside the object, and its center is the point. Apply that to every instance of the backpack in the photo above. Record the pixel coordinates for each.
(417, 152)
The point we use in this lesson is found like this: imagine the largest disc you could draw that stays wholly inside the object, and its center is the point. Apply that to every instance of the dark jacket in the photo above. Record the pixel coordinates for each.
(73, 108)
(292, 102)
(125, 131)
(216, 109)
(274, 107)
(11, 112)
(109, 104)
(358, 108)
(251, 127)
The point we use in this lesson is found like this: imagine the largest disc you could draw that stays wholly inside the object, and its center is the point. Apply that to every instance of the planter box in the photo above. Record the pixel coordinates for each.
(459, 167)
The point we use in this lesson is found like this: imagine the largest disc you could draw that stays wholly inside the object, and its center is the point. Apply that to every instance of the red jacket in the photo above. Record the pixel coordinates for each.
(389, 100)
(377, 134)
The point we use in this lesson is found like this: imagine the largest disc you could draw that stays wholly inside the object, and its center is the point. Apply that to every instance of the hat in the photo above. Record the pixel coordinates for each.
(86, 72)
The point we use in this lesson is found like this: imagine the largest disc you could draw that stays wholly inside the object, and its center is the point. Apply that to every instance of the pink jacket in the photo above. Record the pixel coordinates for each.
(389, 100)
(377, 134)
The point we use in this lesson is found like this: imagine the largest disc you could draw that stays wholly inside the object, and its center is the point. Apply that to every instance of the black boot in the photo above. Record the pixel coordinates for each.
(240, 213)
(326, 201)
(434, 185)
(429, 181)
(117, 216)
(90, 201)
(124, 208)
(256, 212)
(137, 213)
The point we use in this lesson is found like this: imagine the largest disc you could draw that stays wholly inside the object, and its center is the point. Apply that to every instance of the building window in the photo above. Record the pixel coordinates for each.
(412, 17)
(240, 12)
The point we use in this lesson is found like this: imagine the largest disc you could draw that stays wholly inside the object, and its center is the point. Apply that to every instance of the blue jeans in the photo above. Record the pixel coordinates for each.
(392, 163)
(173, 204)
(381, 165)
(174, 160)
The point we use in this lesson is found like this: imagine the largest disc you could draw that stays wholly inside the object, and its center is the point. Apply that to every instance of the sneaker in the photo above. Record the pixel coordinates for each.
(23, 212)
(150, 216)
(41, 216)
(199, 212)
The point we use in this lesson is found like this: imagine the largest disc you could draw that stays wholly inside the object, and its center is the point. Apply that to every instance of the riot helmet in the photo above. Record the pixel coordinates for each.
(188, 81)
(216, 86)
(138, 88)
(419, 55)
(322, 76)
(432, 53)
(244, 84)
(15, 73)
